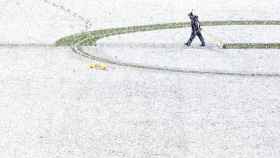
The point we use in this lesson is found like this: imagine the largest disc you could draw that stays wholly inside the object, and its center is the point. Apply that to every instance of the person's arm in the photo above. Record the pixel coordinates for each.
(196, 25)
(199, 26)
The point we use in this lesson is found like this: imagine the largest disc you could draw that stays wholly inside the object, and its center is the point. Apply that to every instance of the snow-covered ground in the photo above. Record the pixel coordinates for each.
(35, 21)
(53, 105)
(213, 34)
(166, 49)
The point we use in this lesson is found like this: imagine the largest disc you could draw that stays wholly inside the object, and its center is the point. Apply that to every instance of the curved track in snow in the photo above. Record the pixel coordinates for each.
(77, 41)
(72, 13)
(79, 50)
(90, 38)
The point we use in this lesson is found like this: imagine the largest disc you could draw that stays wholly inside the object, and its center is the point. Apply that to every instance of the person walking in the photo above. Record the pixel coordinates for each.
(196, 30)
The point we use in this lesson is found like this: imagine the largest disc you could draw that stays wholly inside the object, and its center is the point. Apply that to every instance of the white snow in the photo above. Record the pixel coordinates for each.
(166, 49)
(34, 21)
(226, 34)
(53, 105)
(244, 34)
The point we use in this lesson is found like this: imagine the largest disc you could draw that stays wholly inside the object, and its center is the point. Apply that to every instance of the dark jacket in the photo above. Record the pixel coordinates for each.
(195, 24)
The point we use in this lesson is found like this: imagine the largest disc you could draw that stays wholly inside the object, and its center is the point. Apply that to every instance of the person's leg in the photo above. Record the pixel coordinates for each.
(191, 39)
(201, 38)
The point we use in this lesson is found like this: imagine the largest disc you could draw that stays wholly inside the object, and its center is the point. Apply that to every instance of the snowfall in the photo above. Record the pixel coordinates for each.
(52, 104)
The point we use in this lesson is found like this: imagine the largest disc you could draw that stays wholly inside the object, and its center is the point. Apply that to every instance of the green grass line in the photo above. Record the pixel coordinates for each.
(90, 38)
(251, 46)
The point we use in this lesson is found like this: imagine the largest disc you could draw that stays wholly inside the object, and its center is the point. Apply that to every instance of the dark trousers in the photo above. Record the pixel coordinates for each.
(193, 35)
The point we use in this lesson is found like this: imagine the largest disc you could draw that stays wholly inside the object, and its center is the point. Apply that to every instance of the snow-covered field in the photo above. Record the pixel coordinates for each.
(166, 49)
(35, 21)
(226, 34)
(53, 105)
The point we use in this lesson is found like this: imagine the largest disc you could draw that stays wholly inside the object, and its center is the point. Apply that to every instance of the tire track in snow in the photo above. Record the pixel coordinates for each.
(79, 40)
(72, 13)
(78, 50)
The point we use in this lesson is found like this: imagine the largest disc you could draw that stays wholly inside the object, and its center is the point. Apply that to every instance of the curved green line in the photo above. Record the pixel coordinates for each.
(251, 46)
(90, 38)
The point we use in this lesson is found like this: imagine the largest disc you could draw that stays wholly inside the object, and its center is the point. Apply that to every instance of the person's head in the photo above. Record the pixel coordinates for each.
(190, 14)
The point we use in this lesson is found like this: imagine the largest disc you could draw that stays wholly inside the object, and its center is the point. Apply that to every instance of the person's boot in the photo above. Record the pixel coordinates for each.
(188, 44)
(202, 45)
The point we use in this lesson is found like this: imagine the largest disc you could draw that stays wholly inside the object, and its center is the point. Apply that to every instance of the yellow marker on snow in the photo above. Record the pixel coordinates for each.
(98, 66)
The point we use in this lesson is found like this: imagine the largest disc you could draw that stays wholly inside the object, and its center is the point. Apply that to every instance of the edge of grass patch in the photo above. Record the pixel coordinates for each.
(90, 38)
(251, 46)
